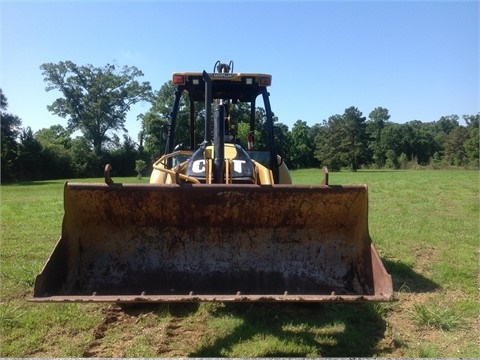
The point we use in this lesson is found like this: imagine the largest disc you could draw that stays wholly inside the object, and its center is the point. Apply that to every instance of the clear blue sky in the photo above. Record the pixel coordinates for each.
(420, 60)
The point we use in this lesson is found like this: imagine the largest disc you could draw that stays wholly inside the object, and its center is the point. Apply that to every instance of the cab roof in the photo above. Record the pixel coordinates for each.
(235, 86)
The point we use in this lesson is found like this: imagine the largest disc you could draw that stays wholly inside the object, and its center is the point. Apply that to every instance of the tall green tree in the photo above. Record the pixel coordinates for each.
(393, 142)
(455, 150)
(123, 157)
(83, 159)
(420, 140)
(10, 131)
(472, 144)
(32, 162)
(440, 131)
(95, 100)
(283, 142)
(446, 124)
(56, 143)
(343, 141)
(55, 135)
(328, 143)
(355, 142)
(302, 151)
(378, 118)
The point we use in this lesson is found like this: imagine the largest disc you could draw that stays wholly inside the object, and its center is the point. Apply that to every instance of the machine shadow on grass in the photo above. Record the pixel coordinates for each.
(405, 278)
(326, 329)
(333, 329)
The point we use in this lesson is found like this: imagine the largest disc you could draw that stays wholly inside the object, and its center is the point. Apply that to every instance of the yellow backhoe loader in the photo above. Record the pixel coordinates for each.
(220, 219)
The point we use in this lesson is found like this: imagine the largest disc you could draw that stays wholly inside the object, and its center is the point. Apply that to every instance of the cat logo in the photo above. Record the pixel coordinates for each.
(198, 166)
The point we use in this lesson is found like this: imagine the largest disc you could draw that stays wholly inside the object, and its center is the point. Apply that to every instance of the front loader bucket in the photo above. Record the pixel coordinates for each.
(158, 243)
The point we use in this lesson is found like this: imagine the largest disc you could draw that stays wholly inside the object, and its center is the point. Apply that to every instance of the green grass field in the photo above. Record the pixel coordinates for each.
(424, 223)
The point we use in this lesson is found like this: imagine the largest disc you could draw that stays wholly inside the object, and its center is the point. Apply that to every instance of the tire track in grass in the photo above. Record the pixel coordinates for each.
(96, 348)
(144, 331)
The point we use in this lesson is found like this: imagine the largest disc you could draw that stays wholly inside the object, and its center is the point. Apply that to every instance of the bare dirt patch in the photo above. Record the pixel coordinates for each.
(409, 337)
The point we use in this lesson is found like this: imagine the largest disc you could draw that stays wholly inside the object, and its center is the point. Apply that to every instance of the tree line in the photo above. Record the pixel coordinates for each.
(96, 100)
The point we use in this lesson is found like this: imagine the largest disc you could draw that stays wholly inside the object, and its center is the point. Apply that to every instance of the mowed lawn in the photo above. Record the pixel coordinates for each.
(425, 224)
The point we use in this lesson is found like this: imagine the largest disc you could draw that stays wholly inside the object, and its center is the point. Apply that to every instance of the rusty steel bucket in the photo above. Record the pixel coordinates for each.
(197, 242)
